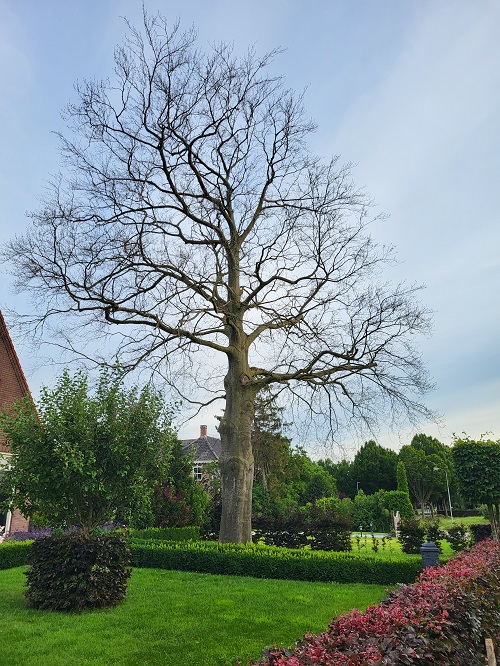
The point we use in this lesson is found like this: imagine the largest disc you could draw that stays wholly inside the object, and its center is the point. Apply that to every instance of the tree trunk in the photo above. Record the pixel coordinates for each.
(236, 460)
(493, 513)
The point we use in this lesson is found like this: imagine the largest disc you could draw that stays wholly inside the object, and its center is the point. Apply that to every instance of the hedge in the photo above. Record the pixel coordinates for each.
(442, 619)
(258, 561)
(262, 561)
(14, 553)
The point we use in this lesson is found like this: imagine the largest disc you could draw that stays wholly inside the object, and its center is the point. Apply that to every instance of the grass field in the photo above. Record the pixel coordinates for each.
(173, 618)
(445, 523)
(390, 548)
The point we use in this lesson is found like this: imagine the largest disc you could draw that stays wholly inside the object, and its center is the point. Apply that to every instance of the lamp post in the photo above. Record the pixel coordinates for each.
(440, 469)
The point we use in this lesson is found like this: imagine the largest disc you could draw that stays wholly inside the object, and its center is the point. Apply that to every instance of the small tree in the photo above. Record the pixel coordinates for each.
(477, 465)
(401, 478)
(86, 458)
(271, 449)
(179, 500)
(421, 458)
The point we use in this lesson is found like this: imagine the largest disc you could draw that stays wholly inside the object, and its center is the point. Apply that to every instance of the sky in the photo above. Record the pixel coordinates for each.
(408, 91)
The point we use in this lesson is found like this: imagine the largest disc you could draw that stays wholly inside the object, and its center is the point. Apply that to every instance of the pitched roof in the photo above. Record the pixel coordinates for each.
(13, 384)
(204, 449)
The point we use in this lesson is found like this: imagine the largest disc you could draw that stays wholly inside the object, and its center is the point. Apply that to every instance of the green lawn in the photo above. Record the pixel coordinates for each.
(445, 523)
(390, 549)
(173, 618)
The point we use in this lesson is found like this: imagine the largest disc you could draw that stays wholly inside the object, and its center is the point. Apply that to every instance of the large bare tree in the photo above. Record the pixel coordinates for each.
(192, 217)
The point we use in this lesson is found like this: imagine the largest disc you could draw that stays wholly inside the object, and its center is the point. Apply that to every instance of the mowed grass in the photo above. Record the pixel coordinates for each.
(390, 550)
(174, 618)
(446, 523)
(390, 546)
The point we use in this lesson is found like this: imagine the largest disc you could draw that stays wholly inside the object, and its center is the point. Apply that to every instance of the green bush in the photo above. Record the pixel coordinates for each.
(166, 533)
(370, 513)
(270, 562)
(74, 571)
(459, 538)
(397, 500)
(434, 533)
(14, 553)
(411, 536)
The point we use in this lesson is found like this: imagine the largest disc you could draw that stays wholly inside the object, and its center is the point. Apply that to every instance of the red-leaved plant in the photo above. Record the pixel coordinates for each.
(442, 618)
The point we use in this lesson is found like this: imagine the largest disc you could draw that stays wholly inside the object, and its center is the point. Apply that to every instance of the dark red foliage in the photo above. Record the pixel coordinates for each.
(441, 619)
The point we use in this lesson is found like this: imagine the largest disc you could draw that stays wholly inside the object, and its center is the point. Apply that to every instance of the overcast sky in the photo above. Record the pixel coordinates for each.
(409, 91)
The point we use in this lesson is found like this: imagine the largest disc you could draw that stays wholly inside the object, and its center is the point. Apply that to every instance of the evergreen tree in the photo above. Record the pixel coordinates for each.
(374, 468)
(270, 447)
(402, 479)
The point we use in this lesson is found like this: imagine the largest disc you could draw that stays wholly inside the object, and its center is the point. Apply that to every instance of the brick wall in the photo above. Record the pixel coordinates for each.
(13, 386)
(18, 522)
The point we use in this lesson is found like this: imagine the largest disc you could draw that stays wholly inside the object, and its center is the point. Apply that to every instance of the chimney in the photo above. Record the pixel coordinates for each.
(203, 431)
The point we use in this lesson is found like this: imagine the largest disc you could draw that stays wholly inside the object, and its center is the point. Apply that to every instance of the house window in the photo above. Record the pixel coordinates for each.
(198, 472)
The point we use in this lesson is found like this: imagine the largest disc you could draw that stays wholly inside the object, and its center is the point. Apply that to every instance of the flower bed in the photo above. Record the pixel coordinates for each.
(443, 618)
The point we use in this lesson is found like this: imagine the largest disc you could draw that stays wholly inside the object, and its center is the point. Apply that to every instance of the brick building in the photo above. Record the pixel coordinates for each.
(13, 386)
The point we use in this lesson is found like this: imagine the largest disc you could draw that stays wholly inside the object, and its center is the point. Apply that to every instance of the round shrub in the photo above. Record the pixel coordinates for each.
(75, 571)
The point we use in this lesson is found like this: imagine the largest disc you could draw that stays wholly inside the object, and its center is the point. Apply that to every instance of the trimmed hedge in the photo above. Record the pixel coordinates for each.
(14, 554)
(253, 560)
(166, 533)
(270, 562)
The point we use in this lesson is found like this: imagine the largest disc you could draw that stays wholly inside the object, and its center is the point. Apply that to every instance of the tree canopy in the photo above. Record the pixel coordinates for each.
(421, 458)
(191, 215)
(374, 468)
(87, 457)
(477, 465)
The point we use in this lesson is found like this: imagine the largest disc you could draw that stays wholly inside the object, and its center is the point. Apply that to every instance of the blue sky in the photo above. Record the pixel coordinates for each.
(409, 91)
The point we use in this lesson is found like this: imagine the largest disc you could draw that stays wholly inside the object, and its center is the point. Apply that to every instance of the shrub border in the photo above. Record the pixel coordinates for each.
(256, 560)
(262, 561)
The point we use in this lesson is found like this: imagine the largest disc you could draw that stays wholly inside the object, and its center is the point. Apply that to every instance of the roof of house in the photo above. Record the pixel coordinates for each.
(204, 449)
(13, 384)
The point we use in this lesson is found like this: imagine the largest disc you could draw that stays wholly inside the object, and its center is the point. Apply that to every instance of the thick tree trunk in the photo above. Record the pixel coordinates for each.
(236, 461)
(493, 513)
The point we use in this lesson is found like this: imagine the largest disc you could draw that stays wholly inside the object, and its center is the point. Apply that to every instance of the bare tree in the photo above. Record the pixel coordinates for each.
(191, 216)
